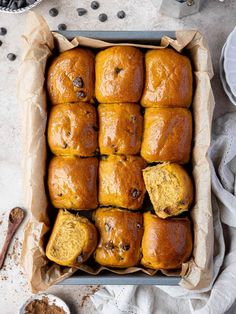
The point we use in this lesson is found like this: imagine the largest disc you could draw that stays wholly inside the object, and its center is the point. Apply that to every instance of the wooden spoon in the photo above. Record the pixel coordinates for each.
(15, 218)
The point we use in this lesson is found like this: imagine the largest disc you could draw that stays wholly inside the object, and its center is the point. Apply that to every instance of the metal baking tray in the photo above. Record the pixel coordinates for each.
(106, 277)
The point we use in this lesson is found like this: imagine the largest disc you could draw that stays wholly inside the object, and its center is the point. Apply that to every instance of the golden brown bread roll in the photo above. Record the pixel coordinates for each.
(120, 237)
(167, 135)
(120, 181)
(119, 75)
(169, 81)
(72, 129)
(166, 243)
(120, 129)
(72, 241)
(72, 182)
(170, 189)
(70, 77)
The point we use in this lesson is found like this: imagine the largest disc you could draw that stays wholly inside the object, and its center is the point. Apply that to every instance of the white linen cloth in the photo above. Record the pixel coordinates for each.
(220, 296)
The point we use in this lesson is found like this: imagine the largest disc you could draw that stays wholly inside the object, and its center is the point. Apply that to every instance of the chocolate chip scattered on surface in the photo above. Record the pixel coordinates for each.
(95, 5)
(3, 31)
(102, 17)
(81, 11)
(62, 27)
(11, 56)
(53, 12)
(121, 14)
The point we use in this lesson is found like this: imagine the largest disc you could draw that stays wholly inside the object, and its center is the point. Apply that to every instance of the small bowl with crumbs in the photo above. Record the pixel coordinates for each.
(44, 303)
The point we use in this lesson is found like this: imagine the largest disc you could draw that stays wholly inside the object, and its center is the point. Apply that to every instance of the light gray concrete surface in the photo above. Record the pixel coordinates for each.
(215, 21)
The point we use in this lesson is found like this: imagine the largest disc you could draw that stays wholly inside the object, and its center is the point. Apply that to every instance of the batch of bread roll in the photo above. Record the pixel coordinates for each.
(120, 131)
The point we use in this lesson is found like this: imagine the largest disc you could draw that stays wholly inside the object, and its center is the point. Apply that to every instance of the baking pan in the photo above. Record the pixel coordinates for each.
(106, 277)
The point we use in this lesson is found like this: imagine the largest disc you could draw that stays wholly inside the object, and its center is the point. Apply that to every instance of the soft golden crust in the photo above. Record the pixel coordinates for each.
(119, 75)
(70, 77)
(167, 135)
(72, 241)
(120, 182)
(120, 237)
(170, 189)
(120, 129)
(168, 80)
(72, 129)
(72, 182)
(166, 243)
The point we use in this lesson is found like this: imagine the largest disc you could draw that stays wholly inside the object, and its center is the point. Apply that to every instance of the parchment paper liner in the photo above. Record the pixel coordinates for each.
(39, 42)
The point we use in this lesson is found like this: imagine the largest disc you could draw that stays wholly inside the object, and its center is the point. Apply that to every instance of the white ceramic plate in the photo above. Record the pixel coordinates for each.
(223, 79)
(22, 10)
(52, 299)
(230, 61)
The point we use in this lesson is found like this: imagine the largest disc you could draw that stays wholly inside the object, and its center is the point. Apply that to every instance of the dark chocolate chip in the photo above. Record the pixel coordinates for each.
(94, 5)
(102, 17)
(135, 193)
(125, 247)
(107, 227)
(121, 14)
(11, 56)
(53, 12)
(78, 82)
(62, 27)
(81, 11)
(109, 245)
(3, 31)
(118, 70)
(81, 94)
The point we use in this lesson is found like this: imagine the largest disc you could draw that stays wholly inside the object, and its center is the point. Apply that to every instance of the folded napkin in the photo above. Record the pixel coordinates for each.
(220, 296)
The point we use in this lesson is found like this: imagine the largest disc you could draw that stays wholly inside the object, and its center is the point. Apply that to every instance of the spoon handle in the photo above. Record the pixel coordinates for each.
(10, 232)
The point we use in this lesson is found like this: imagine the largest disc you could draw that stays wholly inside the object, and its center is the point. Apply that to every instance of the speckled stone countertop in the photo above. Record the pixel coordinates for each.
(215, 21)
